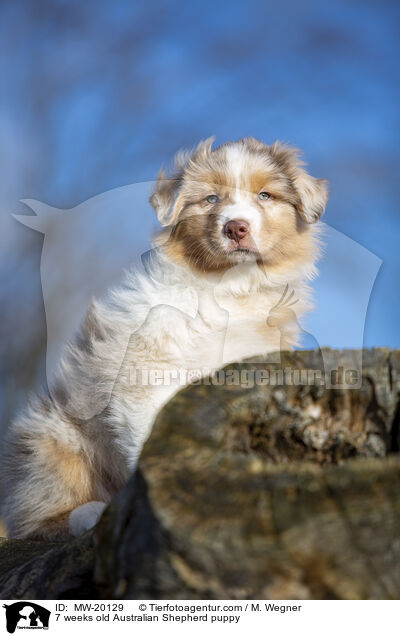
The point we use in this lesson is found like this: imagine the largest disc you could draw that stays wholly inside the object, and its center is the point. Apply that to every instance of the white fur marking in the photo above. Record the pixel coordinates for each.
(245, 211)
(85, 517)
(236, 158)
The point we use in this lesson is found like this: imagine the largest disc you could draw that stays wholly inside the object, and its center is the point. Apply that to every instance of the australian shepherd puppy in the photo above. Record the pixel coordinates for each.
(239, 235)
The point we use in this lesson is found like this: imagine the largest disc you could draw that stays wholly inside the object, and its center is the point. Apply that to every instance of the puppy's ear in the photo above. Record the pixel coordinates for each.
(312, 194)
(167, 199)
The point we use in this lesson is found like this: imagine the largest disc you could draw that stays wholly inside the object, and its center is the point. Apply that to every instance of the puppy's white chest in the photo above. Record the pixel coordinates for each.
(226, 330)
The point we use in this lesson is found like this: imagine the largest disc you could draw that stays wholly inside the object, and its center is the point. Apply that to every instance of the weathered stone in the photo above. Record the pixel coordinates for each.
(280, 492)
(38, 570)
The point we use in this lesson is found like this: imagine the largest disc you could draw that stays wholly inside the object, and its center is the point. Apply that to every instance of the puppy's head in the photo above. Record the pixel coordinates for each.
(244, 201)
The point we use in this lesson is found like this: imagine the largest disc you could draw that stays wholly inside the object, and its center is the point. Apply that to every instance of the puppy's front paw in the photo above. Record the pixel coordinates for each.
(85, 517)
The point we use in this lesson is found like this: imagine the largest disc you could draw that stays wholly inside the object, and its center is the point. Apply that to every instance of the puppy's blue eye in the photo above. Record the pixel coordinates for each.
(264, 196)
(212, 198)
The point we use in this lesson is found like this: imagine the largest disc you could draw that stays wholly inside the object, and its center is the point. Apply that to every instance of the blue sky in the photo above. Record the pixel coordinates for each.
(100, 94)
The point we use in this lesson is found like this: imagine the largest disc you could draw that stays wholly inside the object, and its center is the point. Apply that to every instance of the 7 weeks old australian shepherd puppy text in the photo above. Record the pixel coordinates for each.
(238, 231)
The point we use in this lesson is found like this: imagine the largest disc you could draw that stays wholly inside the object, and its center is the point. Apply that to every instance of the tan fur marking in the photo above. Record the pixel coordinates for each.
(72, 468)
(54, 529)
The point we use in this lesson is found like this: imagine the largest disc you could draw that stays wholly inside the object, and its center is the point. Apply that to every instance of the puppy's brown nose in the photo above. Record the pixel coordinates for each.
(236, 229)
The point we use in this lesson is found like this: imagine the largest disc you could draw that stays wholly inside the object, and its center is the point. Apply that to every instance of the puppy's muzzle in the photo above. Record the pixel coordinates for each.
(236, 230)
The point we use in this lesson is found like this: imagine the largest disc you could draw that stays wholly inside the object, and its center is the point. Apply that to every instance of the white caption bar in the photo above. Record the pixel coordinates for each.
(166, 617)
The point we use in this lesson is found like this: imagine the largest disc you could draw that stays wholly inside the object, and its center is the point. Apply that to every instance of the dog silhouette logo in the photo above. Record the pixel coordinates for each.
(76, 258)
(26, 615)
